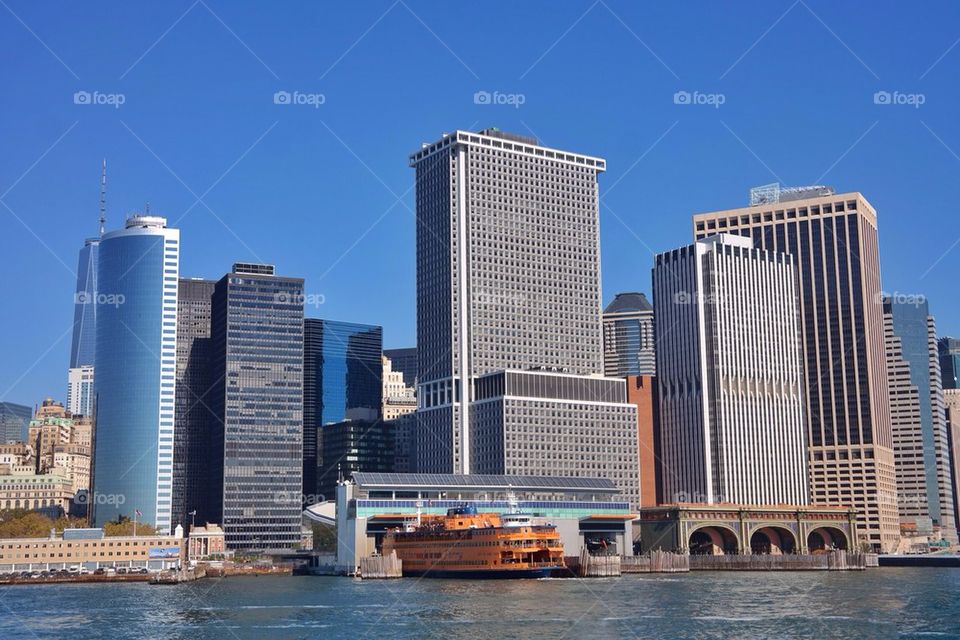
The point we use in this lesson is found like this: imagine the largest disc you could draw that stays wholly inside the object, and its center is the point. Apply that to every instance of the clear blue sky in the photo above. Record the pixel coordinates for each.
(325, 193)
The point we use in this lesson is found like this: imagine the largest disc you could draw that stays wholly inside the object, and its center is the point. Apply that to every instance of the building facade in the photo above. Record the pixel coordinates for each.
(91, 550)
(398, 398)
(354, 445)
(256, 455)
(405, 361)
(951, 399)
(833, 240)
(730, 374)
(920, 438)
(134, 383)
(628, 347)
(80, 390)
(13, 422)
(343, 380)
(83, 347)
(191, 445)
(948, 350)
(642, 392)
(508, 278)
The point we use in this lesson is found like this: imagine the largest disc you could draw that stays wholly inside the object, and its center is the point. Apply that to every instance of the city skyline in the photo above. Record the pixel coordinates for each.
(334, 165)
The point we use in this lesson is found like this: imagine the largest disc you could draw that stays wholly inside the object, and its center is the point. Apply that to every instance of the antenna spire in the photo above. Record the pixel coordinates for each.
(103, 197)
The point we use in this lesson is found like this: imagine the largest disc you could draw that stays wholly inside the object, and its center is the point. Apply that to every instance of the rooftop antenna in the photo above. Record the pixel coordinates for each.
(103, 197)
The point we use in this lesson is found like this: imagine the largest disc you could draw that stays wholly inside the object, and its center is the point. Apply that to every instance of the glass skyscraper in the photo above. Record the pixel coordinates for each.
(84, 345)
(13, 422)
(949, 353)
(134, 387)
(256, 447)
(343, 380)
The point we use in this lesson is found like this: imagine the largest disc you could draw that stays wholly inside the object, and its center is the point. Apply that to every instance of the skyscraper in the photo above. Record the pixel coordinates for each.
(84, 345)
(191, 446)
(628, 347)
(508, 314)
(833, 240)
(80, 390)
(13, 422)
(343, 380)
(405, 361)
(134, 385)
(256, 451)
(951, 398)
(730, 374)
(920, 439)
(949, 354)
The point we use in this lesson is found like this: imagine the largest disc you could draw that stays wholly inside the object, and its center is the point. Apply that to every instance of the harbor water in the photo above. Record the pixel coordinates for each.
(879, 603)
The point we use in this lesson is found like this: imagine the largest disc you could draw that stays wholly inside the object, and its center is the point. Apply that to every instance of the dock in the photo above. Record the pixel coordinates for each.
(381, 567)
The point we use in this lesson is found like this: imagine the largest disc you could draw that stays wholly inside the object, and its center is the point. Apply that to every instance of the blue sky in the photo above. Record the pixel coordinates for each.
(324, 192)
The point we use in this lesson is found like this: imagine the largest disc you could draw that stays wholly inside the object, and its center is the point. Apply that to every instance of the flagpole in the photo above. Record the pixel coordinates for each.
(134, 523)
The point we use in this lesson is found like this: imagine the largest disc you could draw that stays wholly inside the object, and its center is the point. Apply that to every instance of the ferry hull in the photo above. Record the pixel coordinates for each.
(483, 574)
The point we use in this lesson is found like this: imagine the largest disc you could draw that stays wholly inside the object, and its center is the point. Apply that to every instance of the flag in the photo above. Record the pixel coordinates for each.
(192, 513)
(137, 511)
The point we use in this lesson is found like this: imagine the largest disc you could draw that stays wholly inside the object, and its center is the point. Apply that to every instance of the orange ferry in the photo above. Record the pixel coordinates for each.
(467, 544)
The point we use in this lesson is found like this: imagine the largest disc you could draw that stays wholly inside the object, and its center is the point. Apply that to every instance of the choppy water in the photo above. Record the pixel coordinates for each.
(882, 603)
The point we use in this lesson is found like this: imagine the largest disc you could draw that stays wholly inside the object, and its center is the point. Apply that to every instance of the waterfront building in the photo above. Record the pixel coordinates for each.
(343, 380)
(404, 360)
(13, 422)
(833, 240)
(700, 529)
(581, 508)
(642, 392)
(730, 374)
(206, 542)
(256, 455)
(80, 390)
(351, 446)
(948, 350)
(191, 446)
(134, 386)
(398, 398)
(628, 347)
(90, 549)
(920, 439)
(509, 338)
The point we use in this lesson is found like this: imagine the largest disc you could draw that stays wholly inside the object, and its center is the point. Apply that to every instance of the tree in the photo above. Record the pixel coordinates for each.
(24, 524)
(124, 527)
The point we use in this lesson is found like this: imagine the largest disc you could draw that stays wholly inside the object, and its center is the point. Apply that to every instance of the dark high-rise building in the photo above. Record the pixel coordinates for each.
(342, 380)
(354, 445)
(628, 337)
(256, 374)
(833, 240)
(949, 354)
(190, 449)
(83, 348)
(14, 419)
(405, 361)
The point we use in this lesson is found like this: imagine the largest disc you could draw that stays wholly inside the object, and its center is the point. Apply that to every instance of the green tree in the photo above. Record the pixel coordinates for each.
(124, 527)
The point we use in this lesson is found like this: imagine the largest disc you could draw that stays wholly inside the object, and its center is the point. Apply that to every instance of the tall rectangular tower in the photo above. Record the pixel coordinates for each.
(257, 396)
(508, 278)
(628, 345)
(833, 239)
(730, 374)
(920, 438)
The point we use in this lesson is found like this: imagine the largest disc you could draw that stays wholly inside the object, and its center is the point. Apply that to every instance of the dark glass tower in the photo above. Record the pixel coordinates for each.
(13, 422)
(256, 450)
(343, 380)
(190, 450)
(404, 360)
(949, 352)
(84, 346)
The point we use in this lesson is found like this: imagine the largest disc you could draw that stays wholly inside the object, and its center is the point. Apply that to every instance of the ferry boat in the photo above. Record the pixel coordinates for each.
(467, 544)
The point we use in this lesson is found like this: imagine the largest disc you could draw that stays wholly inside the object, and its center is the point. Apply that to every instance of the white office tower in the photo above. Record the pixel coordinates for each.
(510, 349)
(80, 390)
(730, 374)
